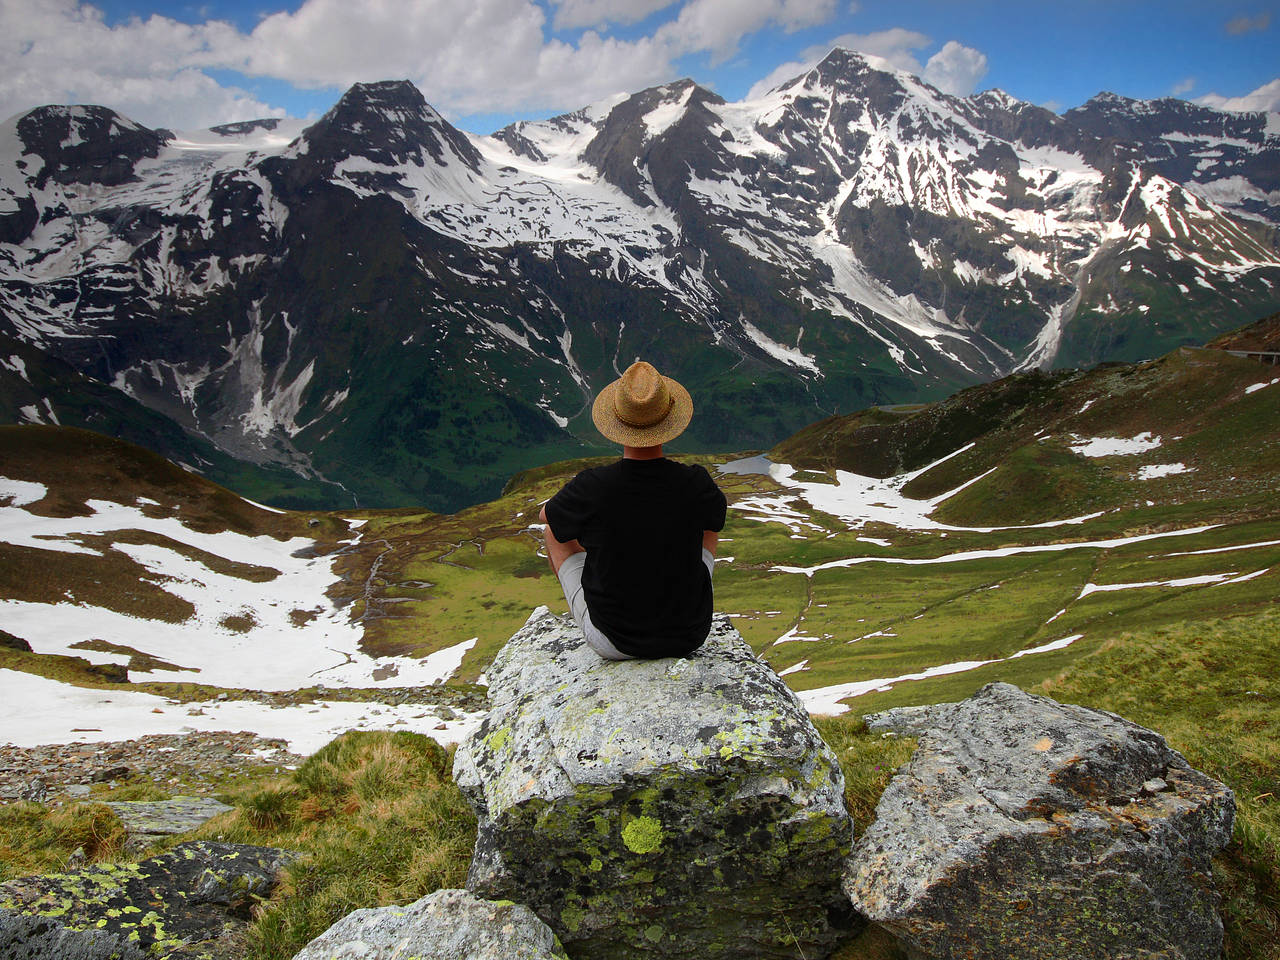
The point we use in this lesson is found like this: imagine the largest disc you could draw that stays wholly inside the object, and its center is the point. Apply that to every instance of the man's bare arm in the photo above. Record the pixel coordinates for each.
(557, 552)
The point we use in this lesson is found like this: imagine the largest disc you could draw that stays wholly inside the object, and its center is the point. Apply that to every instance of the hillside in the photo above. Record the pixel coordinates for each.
(1043, 512)
(1109, 537)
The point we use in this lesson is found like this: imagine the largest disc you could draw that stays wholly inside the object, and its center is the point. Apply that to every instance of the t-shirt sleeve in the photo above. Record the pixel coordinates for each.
(569, 510)
(711, 504)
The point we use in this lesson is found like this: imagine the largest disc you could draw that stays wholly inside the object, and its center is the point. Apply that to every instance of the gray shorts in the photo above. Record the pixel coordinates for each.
(571, 581)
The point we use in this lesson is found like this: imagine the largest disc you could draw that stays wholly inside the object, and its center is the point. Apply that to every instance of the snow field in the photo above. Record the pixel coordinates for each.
(856, 500)
(295, 636)
(34, 711)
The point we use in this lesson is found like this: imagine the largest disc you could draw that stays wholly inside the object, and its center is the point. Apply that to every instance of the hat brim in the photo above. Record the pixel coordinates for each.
(668, 428)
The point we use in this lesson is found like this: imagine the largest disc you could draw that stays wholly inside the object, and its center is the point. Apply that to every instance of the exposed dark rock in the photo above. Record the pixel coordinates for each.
(179, 904)
(10, 642)
(86, 144)
(44, 938)
(1027, 828)
(16, 225)
(679, 807)
(445, 925)
(111, 672)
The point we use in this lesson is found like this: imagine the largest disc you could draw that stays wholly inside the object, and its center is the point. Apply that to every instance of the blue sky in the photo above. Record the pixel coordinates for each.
(486, 62)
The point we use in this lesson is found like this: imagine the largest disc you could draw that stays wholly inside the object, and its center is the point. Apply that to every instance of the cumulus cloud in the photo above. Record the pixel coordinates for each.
(717, 26)
(1266, 97)
(956, 69)
(572, 14)
(896, 46)
(1184, 86)
(1242, 24)
(60, 51)
(467, 56)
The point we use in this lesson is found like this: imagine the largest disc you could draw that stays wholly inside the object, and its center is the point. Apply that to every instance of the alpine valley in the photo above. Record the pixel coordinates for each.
(380, 310)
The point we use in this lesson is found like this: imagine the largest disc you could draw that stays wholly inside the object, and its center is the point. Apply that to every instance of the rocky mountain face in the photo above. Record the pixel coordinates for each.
(391, 310)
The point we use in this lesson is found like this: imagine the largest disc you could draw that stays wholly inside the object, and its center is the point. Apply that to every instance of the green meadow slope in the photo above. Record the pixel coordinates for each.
(1109, 537)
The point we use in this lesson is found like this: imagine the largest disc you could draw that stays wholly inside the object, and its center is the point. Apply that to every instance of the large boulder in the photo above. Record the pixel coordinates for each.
(663, 808)
(186, 903)
(445, 925)
(1027, 828)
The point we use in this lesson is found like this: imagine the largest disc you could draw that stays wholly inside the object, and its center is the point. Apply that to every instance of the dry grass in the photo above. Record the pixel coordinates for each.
(36, 839)
(379, 822)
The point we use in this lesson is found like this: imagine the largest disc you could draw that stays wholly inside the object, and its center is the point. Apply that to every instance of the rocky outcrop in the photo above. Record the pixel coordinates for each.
(445, 925)
(148, 820)
(9, 642)
(665, 808)
(180, 904)
(1027, 828)
(43, 938)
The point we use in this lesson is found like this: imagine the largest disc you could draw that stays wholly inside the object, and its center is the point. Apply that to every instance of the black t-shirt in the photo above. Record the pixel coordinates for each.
(641, 523)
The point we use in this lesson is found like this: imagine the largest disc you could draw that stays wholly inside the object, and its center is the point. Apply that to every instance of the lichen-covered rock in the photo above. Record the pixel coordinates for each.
(179, 904)
(667, 808)
(43, 938)
(445, 925)
(1027, 828)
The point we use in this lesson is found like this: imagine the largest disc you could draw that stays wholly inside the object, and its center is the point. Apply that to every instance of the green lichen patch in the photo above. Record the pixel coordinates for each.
(643, 835)
(178, 900)
(720, 831)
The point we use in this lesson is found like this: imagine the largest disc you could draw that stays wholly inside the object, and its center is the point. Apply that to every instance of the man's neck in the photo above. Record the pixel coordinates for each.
(641, 453)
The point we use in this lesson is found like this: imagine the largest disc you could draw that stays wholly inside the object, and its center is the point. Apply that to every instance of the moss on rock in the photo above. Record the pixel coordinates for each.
(656, 808)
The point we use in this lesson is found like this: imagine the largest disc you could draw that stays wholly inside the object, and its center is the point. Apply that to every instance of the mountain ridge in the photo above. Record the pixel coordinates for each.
(382, 304)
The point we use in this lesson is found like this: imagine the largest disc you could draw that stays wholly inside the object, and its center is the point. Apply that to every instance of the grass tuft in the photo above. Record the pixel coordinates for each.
(37, 839)
(1212, 689)
(379, 822)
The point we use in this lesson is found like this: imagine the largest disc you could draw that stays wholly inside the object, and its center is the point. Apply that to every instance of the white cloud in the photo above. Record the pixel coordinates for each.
(60, 51)
(778, 76)
(1266, 97)
(571, 14)
(956, 69)
(1184, 86)
(894, 45)
(467, 56)
(717, 26)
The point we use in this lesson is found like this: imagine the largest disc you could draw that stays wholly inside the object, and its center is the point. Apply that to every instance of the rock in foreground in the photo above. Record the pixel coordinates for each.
(445, 925)
(668, 808)
(1027, 828)
(179, 904)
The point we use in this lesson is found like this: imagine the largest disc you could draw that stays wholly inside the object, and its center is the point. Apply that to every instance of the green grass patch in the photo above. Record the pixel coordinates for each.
(378, 821)
(35, 838)
(1213, 690)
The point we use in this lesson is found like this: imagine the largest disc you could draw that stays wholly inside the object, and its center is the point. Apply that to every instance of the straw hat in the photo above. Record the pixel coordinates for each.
(642, 408)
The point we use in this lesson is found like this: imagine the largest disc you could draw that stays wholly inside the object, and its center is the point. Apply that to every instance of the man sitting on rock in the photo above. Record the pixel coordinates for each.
(633, 543)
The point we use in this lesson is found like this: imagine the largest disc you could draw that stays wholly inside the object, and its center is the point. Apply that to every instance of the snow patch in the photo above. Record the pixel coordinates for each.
(1116, 446)
(1156, 470)
(827, 700)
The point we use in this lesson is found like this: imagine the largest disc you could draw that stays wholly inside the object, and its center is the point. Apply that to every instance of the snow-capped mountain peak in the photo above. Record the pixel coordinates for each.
(853, 236)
